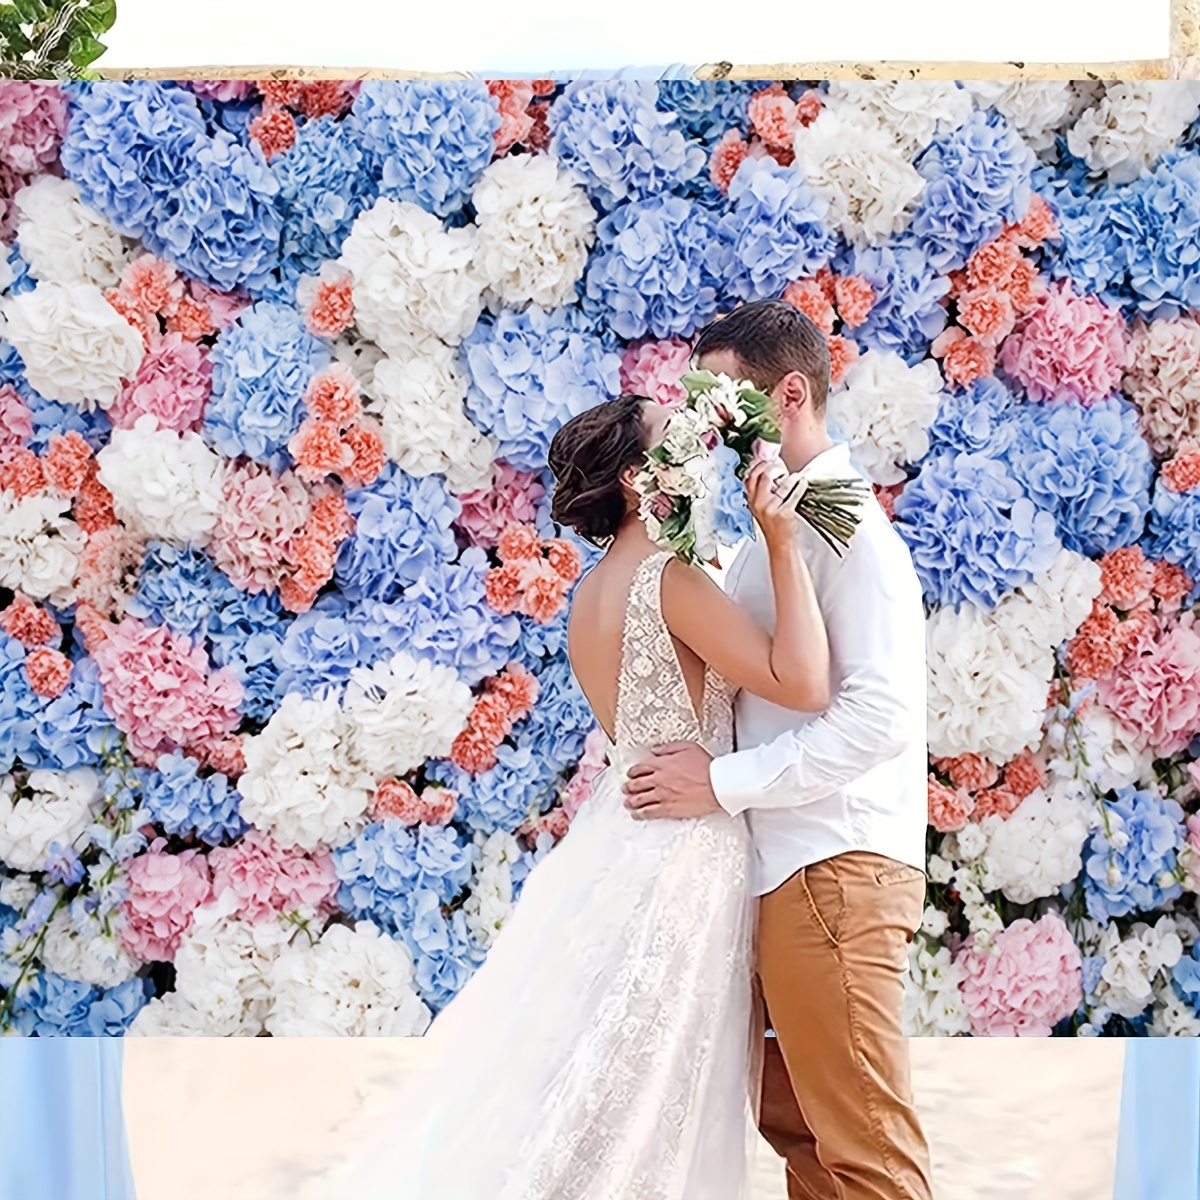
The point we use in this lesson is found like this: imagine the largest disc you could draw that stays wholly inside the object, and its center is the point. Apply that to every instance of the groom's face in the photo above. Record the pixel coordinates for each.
(726, 362)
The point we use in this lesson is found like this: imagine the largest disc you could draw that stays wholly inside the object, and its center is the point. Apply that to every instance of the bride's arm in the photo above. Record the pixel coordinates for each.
(790, 669)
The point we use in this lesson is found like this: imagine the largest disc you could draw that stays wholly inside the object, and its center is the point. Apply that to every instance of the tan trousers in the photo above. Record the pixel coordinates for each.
(836, 1099)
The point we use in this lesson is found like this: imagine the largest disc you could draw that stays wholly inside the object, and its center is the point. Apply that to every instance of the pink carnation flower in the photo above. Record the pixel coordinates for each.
(964, 358)
(165, 890)
(160, 692)
(28, 624)
(512, 499)
(1030, 981)
(653, 369)
(332, 395)
(172, 385)
(969, 771)
(1070, 347)
(1182, 473)
(274, 129)
(727, 155)
(513, 97)
(268, 879)
(65, 463)
(327, 302)
(774, 117)
(949, 808)
(48, 671)
(33, 118)
(1155, 691)
(16, 418)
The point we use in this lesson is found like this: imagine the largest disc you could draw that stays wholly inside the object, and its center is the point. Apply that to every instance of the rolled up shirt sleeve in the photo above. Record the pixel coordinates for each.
(875, 621)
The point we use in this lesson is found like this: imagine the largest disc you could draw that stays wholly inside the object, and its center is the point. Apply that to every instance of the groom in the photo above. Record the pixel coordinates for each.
(837, 807)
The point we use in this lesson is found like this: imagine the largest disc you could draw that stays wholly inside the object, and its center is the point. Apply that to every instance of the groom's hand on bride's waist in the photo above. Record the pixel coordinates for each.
(673, 782)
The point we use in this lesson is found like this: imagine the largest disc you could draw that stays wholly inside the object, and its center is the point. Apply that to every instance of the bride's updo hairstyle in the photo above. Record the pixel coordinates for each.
(588, 456)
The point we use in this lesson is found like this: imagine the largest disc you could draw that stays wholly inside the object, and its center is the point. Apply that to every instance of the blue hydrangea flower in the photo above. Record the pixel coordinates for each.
(184, 804)
(561, 718)
(613, 136)
(403, 526)
(445, 956)
(541, 641)
(382, 871)
(908, 312)
(445, 617)
(977, 178)
(324, 183)
(1173, 532)
(774, 230)
(706, 110)
(19, 706)
(49, 417)
(129, 147)
(1186, 976)
(979, 420)
(261, 367)
(973, 533)
(22, 281)
(1156, 223)
(58, 1007)
(531, 371)
(320, 648)
(73, 729)
(427, 142)
(659, 268)
(1089, 467)
(246, 633)
(177, 588)
(1087, 245)
(520, 785)
(734, 521)
(1126, 878)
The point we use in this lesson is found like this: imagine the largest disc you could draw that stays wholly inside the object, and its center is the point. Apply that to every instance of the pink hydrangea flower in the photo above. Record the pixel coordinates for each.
(512, 499)
(172, 384)
(1155, 691)
(221, 90)
(165, 890)
(653, 369)
(1069, 347)
(160, 691)
(268, 879)
(1030, 981)
(33, 118)
(16, 418)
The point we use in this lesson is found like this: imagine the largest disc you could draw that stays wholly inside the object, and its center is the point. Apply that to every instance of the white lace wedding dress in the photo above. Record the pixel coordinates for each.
(602, 1051)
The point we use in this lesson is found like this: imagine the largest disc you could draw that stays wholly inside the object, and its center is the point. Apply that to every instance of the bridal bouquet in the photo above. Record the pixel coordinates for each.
(680, 482)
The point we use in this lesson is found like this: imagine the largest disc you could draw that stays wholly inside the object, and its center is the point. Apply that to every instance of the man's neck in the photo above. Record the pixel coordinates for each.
(800, 447)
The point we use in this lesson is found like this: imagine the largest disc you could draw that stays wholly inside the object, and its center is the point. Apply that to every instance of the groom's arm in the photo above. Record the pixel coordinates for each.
(876, 629)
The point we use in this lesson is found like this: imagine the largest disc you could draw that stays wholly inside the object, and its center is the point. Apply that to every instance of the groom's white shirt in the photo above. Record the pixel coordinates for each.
(854, 776)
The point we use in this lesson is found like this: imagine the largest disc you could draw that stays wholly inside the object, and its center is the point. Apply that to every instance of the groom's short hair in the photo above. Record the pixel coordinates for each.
(771, 338)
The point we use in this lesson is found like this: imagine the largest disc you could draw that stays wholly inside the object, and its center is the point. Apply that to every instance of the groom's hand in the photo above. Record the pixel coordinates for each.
(674, 782)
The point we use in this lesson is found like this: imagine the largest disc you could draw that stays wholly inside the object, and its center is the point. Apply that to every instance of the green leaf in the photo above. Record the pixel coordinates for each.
(31, 10)
(85, 50)
(99, 16)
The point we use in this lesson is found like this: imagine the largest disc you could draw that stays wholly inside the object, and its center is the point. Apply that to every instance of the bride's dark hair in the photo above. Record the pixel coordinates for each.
(587, 457)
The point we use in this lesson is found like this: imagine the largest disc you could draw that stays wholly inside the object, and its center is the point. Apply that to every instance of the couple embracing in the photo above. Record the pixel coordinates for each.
(751, 860)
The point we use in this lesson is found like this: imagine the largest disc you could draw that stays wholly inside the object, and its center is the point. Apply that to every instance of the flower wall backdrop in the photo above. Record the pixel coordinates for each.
(285, 710)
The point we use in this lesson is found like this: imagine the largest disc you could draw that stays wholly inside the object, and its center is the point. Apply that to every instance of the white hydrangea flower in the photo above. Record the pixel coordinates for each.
(404, 711)
(911, 111)
(1038, 110)
(1133, 964)
(65, 241)
(81, 946)
(536, 226)
(352, 983)
(304, 782)
(1038, 847)
(16, 891)
(491, 899)
(884, 409)
(1173, 1016)
(54, 806)
(418, 399)
(76, 347)
(1115, 759)
(1048, 611)
(413, 278)
(1133, 125)
(851, 161)
(165, 484)
(39, 546)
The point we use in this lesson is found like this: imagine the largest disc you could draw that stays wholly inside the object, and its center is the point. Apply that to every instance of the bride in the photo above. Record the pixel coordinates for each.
(603, 1050)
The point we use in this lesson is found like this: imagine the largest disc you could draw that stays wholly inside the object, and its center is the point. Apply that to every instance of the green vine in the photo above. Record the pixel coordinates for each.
(53, 39)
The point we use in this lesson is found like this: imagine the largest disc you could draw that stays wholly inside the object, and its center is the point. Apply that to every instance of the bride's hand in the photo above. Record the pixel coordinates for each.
(778, 522)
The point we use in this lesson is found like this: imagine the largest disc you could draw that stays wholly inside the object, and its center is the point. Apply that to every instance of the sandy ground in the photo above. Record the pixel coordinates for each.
(214, 1119)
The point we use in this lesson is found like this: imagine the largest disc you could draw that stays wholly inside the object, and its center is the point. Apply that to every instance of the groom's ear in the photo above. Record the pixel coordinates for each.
(793, 393)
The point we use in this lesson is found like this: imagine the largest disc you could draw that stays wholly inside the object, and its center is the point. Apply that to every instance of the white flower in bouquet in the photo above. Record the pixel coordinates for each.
(165, 484)
(986, 694)
(1048, 611)
(39, 546)
(491, 899)
(304, 781)
(413, 278)
(54, 806)
(352, 983)
(80, 945)
(855, 164)
(65, 241)
(1132, 964)
(1037, 109)
(911, 111)
(536, 226)
(76, 347)
(1133, 125)
(404, 711)
(933, 1003)
(884, 408)
(1038, 847)
(418, 399)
